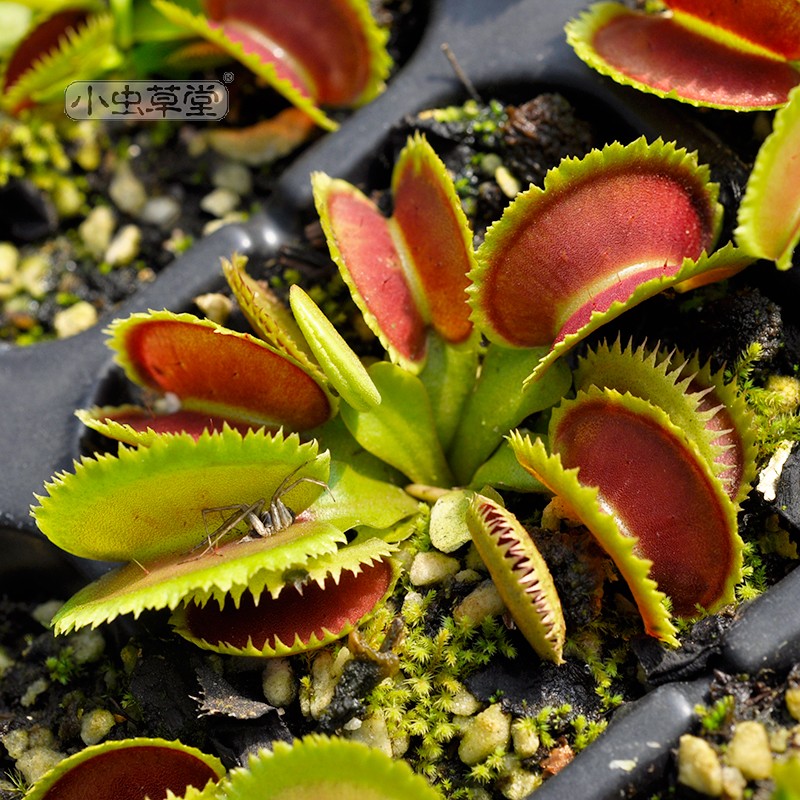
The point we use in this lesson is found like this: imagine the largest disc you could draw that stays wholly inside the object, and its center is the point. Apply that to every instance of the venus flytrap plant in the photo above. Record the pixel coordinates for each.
(527, 290)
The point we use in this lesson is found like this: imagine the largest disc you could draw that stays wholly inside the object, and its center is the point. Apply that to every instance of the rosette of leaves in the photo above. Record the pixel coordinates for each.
(132, 769)
(562, 261)
(734, 54)
(150, 506)
(652, 456)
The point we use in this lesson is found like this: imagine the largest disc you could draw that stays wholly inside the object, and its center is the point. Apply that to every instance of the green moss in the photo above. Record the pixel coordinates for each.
(63, 667)
(714, 717)
(774, 401)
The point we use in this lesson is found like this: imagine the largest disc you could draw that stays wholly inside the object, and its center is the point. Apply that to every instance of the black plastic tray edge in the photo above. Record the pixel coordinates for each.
(633, 752)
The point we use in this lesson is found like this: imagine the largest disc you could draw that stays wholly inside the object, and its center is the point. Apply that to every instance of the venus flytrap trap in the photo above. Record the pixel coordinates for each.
(134, 769)
(731, 54)
(768, 213)
(546, 277)
(174, 561)
(323, 54)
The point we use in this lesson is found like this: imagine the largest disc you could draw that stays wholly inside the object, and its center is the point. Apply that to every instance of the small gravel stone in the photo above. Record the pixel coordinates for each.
(162, 211)
(278, 682)
(464, 702)
(519, 784)
(216, 306)
(219, 202)
(229, 219)
(432, 567)
(16, 742)
(96, 230)
(45, 612)
(373, 732)
(525, 738)
(483, 601)
(127, 191)
(37, 687)
(733, 783)
(35, 762)
(78, 317)
(96, 725)
(9, 259)
(234, 176)
(749, 750)
(325, 673)
(698, 766)
(124, 246)
(67, 198)
(87, 646)
(32, 274)
(484, 734)
(467, 576)
(793, 702)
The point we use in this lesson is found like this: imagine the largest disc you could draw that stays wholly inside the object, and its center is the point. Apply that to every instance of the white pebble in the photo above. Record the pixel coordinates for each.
(749, 750)
(484, 734)
(127, 191)
(96, 725)
(39, 686)
(234, 176)
(465, 703)
(215, 224)
(219, 202)
(44, 612)
(9, 258)
(215, 305)
(16, 742)
(373, 732)
(35, 762)
(96, 230)
(525, 738)
(124, 246)
(483, 601)
(698, 766)
(162, 211)
(432, 567)
(87, 645)
(78, 317)
(278, 683)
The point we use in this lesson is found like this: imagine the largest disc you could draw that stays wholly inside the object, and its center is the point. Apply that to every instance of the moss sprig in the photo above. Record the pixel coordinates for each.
(774, 401)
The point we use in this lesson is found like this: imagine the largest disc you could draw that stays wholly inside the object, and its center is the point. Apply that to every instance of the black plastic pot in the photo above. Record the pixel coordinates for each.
(508, 48)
